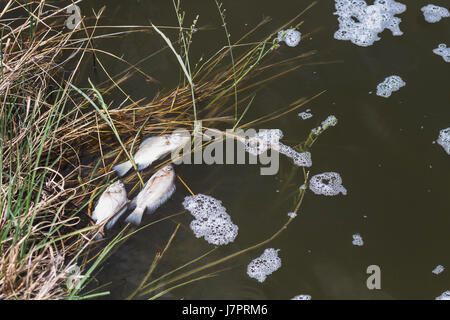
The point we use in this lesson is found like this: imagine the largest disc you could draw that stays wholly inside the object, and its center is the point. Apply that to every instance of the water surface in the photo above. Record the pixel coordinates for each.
(397, 179)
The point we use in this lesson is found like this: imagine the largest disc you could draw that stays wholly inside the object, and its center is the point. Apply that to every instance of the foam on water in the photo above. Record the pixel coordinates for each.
(357, 240)
(292, 214)
(264, 140)
(302, 297)
(301, 159)
(305, 114)
(444, 296)
(444, 139)
(327, 184)
(270, 139)
(290, 36)
(361, 23)
(434, 13)
(264, 265)
(211, 219)
(443, 51)
(330, 121)
(389, 85)
(438, 269)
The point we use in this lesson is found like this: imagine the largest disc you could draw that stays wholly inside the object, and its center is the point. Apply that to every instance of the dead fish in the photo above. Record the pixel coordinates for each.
(113, 199)
(152, 149)
(156, 191)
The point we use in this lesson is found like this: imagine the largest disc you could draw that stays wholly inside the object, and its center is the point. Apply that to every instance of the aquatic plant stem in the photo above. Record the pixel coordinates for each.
(153, 266)
(183, 67)
(224, 24)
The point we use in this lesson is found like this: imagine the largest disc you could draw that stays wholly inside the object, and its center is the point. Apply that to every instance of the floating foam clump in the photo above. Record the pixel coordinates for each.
(327, 184)
(444, 139)
(443, 51)
(302, 297)
(357, 240)
(438, 269)
(305, 114)
(389, 85)
(301, 159)
(444, 296)
(361, 23)
(292, 214)
(331, 121)
(211, 219)
(265, 265)
(290, 36)
(270, 139)
(264, 140)
(434, 13)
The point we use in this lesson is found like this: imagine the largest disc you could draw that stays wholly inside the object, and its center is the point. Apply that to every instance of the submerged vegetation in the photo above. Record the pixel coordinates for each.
(53, 133)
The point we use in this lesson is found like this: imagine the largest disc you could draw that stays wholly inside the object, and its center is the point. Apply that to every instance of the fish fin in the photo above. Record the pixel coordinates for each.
(160, 202)
(123, 168)
(135, 217)
(113, 221)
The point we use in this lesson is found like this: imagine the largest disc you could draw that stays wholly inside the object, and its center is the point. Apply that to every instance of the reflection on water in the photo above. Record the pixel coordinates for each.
(396, 178)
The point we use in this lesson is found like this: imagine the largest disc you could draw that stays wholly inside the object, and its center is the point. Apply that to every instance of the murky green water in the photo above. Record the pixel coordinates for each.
(397, 179)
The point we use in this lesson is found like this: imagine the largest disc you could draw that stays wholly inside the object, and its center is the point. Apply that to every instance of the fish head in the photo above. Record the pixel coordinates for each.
(165, 171)
(117, 187)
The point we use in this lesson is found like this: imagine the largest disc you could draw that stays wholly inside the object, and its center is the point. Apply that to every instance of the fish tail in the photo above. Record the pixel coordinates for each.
(122, 168)
(135, 217)
(113, 221)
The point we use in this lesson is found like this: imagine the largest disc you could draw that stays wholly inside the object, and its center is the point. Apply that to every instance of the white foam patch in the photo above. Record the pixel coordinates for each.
(434, 13)
(439, 269)
(301, 159)
(270, 139)
(330, 121)
(292, 214)
(264, 140)
(444, 296)
(389, 85)
(264, 265)
(211, 219)
(361, 24)
(444, 139)
(302, 297)
(327, 184)
(290, 36)
(443, 51)
(357, 240)
(305, 114)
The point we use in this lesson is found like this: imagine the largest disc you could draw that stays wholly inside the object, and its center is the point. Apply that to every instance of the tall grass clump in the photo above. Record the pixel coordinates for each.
(40, 238)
